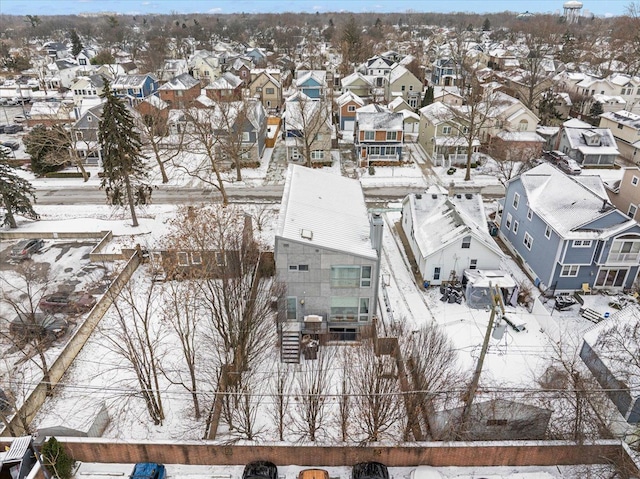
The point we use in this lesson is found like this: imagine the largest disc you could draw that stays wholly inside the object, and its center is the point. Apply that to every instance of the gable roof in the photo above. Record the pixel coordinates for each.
(311, 76)
(347, 97)
(576, 139)
(228, 81)
(440, 220)
(623, 117)
(388, 121)
(353, 78)
(183, 81)
(329, 208)
(128, 81)
(567, 203)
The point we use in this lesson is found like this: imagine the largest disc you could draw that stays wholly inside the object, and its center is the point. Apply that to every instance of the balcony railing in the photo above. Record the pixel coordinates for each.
(625, 258)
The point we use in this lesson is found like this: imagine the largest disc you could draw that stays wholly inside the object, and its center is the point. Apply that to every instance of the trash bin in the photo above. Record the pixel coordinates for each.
(426, 284)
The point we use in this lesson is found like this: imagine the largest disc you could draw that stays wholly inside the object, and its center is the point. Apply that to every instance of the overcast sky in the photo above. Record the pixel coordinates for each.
(62, 7)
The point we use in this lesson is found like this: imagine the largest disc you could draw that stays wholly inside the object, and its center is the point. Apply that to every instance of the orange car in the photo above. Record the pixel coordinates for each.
(313, 474)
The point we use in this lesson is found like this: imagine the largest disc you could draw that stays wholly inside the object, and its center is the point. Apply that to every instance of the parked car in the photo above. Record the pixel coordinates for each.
(148, 470)
(425, 472)
(25, 248)
(555, 155)
(13, 128)
(369, 470)
(570, 166)
(14, 145)
(29, 326)
(67, 302)
(6, 150)
(313, 474)
(260, 470)
(19, 118)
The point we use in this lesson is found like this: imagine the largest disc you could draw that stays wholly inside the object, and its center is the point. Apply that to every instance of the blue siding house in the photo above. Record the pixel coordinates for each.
(135, 88)
(312, 83)
(567, 233)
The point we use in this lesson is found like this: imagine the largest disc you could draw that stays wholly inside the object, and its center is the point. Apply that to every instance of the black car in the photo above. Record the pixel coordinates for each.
(13, 128)
(369, 470)
(260, 470)
(14, 145)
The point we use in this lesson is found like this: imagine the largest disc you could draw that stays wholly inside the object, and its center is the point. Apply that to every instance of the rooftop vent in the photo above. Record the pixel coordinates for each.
(459, 196)
(306, 234)
(418, 196)
(467, 196)
(435, 197)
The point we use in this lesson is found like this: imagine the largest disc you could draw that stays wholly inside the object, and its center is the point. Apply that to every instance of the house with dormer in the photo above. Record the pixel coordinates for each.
(87, 87)
(205, 67)
(625, 128)
(378, 135)
(566, 233)
(172, 68)
(348, 103)
(241, 67)
(447, 234)
(378, 68)
(180, 91)
(586, 144)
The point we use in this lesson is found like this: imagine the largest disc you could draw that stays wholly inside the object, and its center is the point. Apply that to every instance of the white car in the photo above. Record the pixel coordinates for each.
(570, 166)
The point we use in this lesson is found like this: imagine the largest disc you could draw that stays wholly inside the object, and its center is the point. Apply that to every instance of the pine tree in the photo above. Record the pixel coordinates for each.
(428, 96)
(595, 112)
(16, 194)
(56, 460)
(124, 170)
(76, 44)
(486, 26)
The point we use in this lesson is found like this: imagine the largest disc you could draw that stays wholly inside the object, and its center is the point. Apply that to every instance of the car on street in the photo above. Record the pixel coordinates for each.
(76, 302)
(29, 326)
(14, 145)
(425, 472)
(555, 155)
(13, 128)
(570, 166)
(313, 474)
(369, 470)
(26, 248)
(6, 150)
(260, 470)
(148, 470)
(19, 118)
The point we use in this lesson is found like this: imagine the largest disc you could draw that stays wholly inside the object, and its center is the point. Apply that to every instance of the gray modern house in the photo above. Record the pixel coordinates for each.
(327, 251)
(566, 232)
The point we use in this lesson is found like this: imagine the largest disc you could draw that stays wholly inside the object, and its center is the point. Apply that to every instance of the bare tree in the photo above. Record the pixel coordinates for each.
(377, 399)
(280, 391)
(181, 312)
(345, 402)
(136, 335)
(312, 385)
(30, 331)
(512, 160)
(308, 122)
(244, 405)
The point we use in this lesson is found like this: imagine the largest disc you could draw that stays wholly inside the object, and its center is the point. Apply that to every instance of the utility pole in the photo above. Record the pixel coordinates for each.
(496, 301)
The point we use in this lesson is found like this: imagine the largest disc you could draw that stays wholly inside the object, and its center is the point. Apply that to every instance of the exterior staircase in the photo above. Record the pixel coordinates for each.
(290, 343)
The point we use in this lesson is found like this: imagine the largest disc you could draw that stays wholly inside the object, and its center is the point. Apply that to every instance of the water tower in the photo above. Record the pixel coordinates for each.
(572, 11)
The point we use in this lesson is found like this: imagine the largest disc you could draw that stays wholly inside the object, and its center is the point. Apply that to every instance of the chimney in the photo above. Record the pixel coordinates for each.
(375, 232)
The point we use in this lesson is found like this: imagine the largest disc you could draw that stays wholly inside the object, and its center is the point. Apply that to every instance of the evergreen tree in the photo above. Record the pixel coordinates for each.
(76, 44)
(428, 97)
(124, 169)
(595, 112)
(486, 26)
(16, 194)
(56, 459)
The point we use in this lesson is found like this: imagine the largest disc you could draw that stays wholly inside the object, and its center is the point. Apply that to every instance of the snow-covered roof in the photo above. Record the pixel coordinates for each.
(181, 82)
(347, 97)
(156, 102)
(388, 121)
(577, 141)
(528, 136)
(316, 75)
(325, 210)
(299, 114)
(566, 203)
(228, 81)
(440, 219)
(623, 117)
(609, 99)
(396, 102)
(128, 81)
(437, 113)
(397, 73)
(372, 108)
(350, 79)
(575, 123)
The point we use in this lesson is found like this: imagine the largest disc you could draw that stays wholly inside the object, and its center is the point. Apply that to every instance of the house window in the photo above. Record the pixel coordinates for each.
(436, 273)
(516, 201)
(246, 136)
(89, 118)
(632, 211)
(570, 270)
(78, 135)
(547, 232)
(446, 130)
(345, 276)
(196, 257)
(466, 242)
(293, 267)
(363, 314)
(523, 125)
(620, 126)
(529, 214)
(635, 181)
(369, 135)
(473, 264)
(295, 154)
(527, 241)
(410, 87)
(220, 258)
(292, 307)
(403, 88)
(515, 227)
(317, 155)
(183, 258)
(611, 277)
(582, 243)
(465, 130)
(509, 220)
(269, 91)
(392, 135)
(365, 277)
(344, 309)
(496, 422)
(351, 108)
(303, 267)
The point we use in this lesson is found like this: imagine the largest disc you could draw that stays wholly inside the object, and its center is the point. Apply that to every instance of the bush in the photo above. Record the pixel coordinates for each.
(372, 170)
(56, 460)
(473, 165)
(65, 174)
